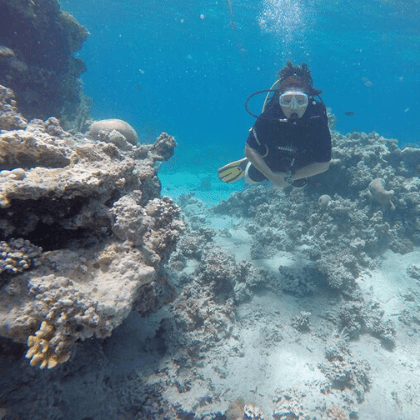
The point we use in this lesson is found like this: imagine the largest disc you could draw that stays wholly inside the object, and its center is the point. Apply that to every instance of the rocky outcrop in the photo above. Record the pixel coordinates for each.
(84, 235)
(37, 42)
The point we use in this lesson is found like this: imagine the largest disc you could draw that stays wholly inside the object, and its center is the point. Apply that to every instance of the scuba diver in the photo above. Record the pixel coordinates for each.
(290, 141)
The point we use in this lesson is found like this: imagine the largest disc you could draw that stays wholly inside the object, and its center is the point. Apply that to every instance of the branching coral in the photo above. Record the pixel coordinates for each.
(346, 373)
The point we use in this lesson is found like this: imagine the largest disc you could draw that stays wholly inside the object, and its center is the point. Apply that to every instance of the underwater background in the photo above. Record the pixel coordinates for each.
(135, 285)
(187, 67)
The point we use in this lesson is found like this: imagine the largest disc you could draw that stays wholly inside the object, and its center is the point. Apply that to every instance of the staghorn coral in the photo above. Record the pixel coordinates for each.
(46, 349)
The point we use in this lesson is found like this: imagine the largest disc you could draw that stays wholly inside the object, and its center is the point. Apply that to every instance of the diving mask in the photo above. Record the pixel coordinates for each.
(293, 99)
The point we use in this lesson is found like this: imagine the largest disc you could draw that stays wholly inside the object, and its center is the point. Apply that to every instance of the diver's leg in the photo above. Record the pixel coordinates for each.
(253, 175)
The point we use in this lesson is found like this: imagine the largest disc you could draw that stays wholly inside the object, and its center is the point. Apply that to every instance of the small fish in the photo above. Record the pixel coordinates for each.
(349, 113)
(139, 87)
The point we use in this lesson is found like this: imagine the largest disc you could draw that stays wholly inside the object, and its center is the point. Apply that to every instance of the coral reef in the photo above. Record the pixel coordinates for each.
(105, 233)
(334, 230)
(37, 42)
(344, 218)
(34, 147)
(301, 280)
(285, 332)
(360, 316)
(350, 374)
(10, 119)
(204, 308)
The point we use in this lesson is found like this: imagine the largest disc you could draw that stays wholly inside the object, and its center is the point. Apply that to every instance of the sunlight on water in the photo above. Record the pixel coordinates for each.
(286, 20)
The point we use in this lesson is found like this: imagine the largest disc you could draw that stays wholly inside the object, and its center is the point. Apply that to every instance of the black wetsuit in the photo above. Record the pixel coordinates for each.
(290, 144)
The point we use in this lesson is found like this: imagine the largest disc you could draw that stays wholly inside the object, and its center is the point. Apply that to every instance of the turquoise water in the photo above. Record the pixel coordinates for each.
(187, 67)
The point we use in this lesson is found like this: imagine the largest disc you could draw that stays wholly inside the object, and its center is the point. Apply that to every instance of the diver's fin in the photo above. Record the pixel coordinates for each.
(233, 171)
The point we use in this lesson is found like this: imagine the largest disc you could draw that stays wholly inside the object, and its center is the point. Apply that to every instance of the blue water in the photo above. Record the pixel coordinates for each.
(187, 67)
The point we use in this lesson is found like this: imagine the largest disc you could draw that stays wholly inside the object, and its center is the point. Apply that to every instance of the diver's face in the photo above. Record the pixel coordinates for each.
(293, 103)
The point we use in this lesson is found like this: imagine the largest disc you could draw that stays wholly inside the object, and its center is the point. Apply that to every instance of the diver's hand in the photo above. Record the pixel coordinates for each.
(279, 179)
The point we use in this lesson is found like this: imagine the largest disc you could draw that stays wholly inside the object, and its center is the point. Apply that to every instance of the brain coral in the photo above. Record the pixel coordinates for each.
(379, 194)
(100, 128)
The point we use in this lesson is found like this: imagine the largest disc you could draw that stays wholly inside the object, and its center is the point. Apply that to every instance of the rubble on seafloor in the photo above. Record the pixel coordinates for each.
(337, 229)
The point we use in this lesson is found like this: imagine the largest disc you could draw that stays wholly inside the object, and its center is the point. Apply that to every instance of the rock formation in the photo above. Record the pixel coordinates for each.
(84, 234)
(37, 42)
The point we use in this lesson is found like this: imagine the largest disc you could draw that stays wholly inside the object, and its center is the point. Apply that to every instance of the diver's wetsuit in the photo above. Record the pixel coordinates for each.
(288, 145)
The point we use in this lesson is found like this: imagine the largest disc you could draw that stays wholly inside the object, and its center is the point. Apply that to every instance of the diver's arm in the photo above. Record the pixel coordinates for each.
(278, 178)
(312, 169)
